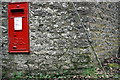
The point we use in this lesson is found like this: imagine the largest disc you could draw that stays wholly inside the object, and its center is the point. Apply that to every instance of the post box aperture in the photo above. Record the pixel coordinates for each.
(17, 10)
(18, 29)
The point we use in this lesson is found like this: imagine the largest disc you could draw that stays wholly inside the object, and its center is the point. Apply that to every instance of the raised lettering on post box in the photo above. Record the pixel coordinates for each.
(18, 29)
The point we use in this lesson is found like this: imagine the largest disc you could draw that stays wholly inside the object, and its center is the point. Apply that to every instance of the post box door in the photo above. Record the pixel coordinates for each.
(18, 29)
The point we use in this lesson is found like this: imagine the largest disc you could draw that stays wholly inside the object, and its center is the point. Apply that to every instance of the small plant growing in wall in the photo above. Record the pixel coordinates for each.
(18, 75)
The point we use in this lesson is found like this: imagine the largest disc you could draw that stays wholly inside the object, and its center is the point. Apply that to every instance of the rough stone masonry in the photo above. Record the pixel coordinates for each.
(58, 40)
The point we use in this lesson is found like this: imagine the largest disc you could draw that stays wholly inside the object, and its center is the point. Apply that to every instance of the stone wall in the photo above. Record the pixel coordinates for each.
(0, 39)
(60, 0)
(58, 40)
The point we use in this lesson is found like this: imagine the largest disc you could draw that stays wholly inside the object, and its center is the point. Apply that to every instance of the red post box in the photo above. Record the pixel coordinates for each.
(18, 29)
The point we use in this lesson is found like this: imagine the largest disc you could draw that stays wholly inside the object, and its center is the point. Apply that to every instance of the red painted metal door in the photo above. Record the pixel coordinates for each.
(18, 29)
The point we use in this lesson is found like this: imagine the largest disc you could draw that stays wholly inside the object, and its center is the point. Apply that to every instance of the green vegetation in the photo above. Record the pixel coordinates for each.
(114, 65)
(85, 73)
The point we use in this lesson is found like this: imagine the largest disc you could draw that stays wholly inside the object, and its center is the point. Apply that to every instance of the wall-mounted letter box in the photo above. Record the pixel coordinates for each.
(18, 29)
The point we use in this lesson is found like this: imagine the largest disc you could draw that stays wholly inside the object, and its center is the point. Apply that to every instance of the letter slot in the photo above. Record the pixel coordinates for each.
(17, 10)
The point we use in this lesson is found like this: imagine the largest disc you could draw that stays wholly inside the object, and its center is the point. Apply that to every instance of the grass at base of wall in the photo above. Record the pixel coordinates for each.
(85, 73)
